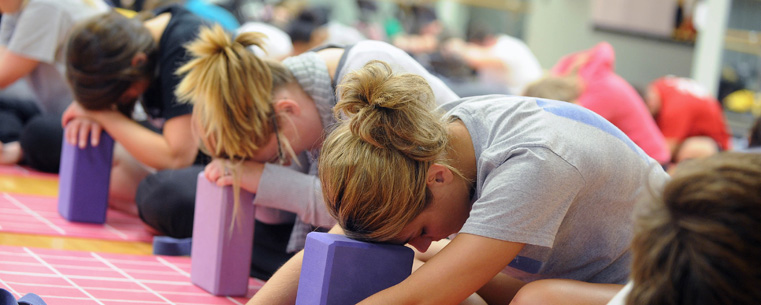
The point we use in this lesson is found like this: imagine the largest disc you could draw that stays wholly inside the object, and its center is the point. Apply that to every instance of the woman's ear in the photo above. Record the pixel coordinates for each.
(439, 175)
(287, 106)
(139, 59)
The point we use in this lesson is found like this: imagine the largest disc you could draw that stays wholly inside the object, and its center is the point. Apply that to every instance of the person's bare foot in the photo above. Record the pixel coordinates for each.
(10, 153)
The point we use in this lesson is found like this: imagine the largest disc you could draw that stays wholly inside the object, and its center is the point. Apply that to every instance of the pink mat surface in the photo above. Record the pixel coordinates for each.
(39, 215)
(24, 172)
(63, 277)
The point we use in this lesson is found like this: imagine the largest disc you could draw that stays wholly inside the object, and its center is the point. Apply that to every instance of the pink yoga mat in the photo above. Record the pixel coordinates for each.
(63, 277)
(25, 172)
(39, 215)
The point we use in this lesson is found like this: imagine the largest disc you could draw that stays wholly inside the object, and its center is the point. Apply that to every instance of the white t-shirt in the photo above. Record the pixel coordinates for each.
(520, 65)
(39, 31)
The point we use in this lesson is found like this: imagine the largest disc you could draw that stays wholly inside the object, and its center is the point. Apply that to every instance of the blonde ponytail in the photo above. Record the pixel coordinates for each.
(230, 89)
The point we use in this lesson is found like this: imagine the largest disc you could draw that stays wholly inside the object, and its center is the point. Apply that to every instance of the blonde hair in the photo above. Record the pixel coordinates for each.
(231, 91)
(373, 167)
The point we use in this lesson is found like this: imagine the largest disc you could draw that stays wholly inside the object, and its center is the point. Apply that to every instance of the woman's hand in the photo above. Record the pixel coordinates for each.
(220, 171)
(79, 123)
(78, 129)
(75, 110)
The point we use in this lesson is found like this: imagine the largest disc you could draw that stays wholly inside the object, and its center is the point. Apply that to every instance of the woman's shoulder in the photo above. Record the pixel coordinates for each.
(182, 23)
(182, 27)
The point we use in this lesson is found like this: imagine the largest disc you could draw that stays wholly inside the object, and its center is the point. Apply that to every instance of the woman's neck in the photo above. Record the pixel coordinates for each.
(461, 149)
(310, 129)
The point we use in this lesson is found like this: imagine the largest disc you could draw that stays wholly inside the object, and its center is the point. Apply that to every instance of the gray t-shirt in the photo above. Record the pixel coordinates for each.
(560, 179)
(39, 31)
(365, 51)
(296, 188)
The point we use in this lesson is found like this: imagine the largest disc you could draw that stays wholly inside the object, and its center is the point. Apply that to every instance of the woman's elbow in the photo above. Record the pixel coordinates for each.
(181, 161)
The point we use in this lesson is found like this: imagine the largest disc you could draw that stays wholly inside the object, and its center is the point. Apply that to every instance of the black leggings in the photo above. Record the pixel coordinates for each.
(14, 114)
(166, 202)
(41, 142)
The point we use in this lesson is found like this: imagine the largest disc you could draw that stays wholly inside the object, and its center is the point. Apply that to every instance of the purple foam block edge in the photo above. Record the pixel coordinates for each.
(337, 270)
(84, 177)
(221, 254)
(170, 246)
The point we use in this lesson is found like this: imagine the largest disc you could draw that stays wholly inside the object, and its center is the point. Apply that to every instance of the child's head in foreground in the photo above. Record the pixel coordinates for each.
(701, 243)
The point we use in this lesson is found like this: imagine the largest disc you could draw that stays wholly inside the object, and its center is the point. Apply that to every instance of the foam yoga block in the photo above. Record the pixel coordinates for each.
(165, 245)
(221, 248)
(337, 270)
(84, 177)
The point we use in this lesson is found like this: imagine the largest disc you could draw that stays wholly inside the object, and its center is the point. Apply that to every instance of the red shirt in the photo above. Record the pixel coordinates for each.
(687, 110)
(615, 99)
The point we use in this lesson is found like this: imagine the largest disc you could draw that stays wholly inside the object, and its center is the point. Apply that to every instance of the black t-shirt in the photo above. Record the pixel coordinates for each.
(159, 100)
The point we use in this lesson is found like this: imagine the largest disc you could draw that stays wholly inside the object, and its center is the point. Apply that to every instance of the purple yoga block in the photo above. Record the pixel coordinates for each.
(337, 270)
(221, 256)
(83, 180)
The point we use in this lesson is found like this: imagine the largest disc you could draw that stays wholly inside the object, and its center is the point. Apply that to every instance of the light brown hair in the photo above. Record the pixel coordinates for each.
(561, 88)
(701, 243)
(373, 166)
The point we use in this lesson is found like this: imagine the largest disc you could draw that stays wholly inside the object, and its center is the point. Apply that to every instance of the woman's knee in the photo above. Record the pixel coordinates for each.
(536, 292)
(166, 200)
(41, 141)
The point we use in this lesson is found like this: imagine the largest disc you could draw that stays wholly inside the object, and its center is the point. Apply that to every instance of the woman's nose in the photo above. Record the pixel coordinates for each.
(421, 243)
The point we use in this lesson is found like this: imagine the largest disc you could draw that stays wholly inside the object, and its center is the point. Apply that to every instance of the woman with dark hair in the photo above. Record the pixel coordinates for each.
(112, 62)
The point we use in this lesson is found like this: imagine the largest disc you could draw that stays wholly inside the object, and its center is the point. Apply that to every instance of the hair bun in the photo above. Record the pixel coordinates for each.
(391, 111)
(214, 40)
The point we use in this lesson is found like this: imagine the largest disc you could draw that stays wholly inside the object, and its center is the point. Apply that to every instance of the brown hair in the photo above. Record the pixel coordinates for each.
(231, 91)
(561, 88)
(373, 166)
(99, 56)
(701, 243)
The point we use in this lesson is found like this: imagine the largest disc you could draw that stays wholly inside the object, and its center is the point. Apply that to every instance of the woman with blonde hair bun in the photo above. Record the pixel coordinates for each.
(533, 189)
(264, 123)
